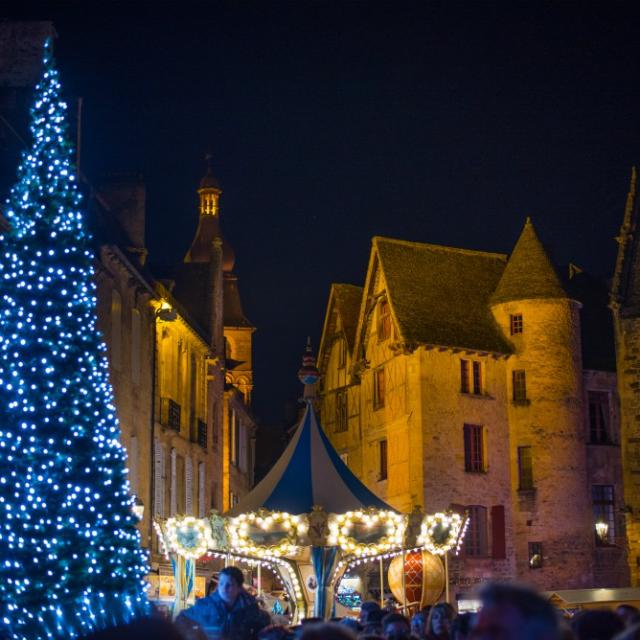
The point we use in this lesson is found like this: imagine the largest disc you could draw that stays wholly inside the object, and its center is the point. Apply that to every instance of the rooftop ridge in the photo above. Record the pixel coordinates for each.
(441, 247)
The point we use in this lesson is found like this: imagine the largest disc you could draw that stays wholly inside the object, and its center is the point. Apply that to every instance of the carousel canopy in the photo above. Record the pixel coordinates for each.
(309, 473)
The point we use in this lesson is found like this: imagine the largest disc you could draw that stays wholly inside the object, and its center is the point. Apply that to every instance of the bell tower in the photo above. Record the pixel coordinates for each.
(209, 192)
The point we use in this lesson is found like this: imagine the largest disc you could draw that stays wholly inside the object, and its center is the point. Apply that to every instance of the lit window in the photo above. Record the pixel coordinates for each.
(525, 469)
(342, 423)
(535, 555)
(516, 323)
(378, 388)
(599, 417)
(384, 321)
(604, 513)
(383, 460)
(475, 542)
(519, 386)
(474, 448)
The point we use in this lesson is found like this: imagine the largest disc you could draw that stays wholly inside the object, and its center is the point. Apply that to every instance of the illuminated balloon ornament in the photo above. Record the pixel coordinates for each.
(424, 578)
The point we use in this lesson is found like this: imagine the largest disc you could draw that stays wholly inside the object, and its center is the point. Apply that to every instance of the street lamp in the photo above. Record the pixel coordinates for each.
(138, 508)
(602, 530)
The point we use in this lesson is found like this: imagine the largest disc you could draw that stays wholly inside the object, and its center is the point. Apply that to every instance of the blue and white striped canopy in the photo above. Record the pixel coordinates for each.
(309, 473)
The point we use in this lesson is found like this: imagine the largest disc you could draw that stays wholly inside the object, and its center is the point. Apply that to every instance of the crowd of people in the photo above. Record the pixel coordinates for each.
(507, 612)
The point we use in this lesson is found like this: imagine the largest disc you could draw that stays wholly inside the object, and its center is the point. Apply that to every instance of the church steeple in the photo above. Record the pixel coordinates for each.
(208, 230)
(209, 191)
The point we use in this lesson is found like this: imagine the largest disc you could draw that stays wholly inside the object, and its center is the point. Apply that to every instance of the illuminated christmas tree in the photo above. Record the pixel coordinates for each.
(70, 558)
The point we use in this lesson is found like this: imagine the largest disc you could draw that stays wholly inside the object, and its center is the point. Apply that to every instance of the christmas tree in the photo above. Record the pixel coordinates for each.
(70, 556)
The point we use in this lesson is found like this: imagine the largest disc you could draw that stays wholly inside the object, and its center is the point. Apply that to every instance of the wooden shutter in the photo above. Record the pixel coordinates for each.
(173, 502)
(158, 479)
(188, 486)
(202, 505)
(498, 541)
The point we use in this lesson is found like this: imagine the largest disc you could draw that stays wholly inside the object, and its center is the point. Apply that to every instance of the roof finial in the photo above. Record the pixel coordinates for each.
(209, 181)
(308, 374)
(528, 220)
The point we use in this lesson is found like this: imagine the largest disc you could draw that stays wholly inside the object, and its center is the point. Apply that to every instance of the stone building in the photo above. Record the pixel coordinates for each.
(483, 382)
(625, 304)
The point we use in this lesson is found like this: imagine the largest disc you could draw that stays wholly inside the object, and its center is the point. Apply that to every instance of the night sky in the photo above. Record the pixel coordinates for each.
(334, 122)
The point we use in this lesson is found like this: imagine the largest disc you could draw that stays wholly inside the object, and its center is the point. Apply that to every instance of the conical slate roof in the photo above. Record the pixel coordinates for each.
(309, 473)
(529, 272)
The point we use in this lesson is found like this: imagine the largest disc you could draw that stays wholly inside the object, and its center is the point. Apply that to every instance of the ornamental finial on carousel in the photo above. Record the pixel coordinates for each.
(308, 373)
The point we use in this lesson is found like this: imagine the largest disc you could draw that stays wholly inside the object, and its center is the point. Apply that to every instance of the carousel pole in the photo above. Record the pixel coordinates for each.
(381, 583)
(446, 577)
(404, 584)
(259, 578)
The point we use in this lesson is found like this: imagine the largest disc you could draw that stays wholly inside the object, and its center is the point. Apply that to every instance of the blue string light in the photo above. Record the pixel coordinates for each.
(70, 555)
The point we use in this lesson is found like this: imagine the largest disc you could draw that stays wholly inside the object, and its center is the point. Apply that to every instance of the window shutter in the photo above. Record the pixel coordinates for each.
(498, 542)
(201, 490)
(173, 507)
(133, 465)
(158, 479)
(188, 486)
(467, 447)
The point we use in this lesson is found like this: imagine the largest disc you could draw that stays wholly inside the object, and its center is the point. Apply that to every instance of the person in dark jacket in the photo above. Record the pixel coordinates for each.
(229, 613)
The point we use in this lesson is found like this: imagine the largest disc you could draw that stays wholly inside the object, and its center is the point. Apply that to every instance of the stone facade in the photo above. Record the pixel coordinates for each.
(625, 298)
(433, 417)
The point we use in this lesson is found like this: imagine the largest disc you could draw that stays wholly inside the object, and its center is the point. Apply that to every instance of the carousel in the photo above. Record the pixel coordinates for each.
(310, 523)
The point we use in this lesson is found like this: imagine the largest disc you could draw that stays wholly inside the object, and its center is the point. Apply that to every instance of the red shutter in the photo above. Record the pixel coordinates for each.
(498, 542)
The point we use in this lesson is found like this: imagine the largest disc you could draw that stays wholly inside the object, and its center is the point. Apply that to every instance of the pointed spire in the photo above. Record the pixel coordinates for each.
(308, 374)
(529, 272)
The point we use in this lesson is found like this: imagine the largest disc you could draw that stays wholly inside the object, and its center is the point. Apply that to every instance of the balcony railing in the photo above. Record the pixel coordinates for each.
(170, 414)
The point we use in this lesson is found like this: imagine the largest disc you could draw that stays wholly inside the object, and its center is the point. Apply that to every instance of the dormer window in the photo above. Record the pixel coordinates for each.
(384, 321)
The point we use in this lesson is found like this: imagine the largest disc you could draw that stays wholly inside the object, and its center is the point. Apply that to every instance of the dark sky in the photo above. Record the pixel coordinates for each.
(333, 122)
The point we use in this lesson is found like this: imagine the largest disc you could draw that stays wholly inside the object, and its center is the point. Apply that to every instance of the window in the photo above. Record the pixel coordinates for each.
(383, 460)
(525, 469)
(384, 321)
(475, 542)
(599, 417)
(535, 555)
(519, 386)
(464, 376)
(378, 388)
(342, 353)
(342, 418)
(473, 448)
(477, 378)
(471, 377)
(516, 323)
(604, 512)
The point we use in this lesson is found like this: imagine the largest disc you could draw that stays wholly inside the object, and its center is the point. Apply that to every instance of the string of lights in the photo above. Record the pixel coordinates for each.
(70, 549)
